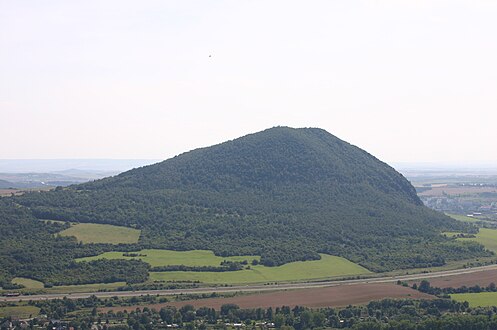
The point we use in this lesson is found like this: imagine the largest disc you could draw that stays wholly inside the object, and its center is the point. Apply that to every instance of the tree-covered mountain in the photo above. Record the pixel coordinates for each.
(285, 194)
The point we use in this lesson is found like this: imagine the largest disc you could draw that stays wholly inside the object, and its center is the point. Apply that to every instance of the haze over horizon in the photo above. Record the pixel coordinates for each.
(408, 82)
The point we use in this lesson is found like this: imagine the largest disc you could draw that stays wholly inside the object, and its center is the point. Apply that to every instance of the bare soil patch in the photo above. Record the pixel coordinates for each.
(335, 296)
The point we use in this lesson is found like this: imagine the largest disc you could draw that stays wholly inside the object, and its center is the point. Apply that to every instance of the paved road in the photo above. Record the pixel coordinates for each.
(254, 288)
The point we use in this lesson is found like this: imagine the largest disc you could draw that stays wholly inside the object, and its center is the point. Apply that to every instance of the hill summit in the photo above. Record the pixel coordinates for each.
(285, 194)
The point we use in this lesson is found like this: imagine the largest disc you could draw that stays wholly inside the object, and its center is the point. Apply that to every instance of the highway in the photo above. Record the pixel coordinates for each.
(253, 288)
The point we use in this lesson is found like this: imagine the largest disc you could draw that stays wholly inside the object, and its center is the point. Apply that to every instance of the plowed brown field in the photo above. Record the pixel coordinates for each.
(335, 296)
(483, 278)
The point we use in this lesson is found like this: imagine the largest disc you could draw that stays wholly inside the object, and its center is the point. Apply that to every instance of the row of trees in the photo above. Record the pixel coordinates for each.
(425, 286)
(385, 314)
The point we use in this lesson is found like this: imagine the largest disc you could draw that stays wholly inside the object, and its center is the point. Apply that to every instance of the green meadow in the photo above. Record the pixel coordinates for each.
(28, 283)
(482, 299)
(328, 266)
(22, 311)
(486, 237)
(462, 218)
(85, 287)
(98, 233)
(167, 257)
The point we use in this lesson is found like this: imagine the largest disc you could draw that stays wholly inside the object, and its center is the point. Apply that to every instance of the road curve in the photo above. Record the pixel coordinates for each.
(252, 288)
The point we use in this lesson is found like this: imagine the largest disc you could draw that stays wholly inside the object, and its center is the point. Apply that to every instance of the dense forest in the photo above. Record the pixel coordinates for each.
(284, 194)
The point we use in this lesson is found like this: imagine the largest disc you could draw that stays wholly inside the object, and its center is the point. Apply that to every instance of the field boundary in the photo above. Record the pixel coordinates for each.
(253, 288)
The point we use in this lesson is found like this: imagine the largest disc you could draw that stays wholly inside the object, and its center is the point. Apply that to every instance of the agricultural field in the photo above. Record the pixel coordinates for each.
(158, 258)
(28, 283)
(32, 285)
(462, 218)
(481, 278)
(327, 267)
(22, 311)
(5, 192)
(482, 299)
(461, 195)
(457, 190)
(9, 192)
(98, 233)
(486, 237)
(85, 287)
(336, 296)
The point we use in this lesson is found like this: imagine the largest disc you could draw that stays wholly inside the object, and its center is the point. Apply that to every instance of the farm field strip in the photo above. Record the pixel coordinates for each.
(482, 279)
(481, 299)
(462, 218)
(256, 288)
(336, 296)
(19, 311)
(467, 190)
(156, 257)
(99, 233)
(64, 289)
(28, 283)
(486, 237)
(327, 267)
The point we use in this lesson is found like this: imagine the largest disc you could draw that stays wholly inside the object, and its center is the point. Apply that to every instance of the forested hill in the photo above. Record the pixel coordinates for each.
(275, 157)
(285, 194)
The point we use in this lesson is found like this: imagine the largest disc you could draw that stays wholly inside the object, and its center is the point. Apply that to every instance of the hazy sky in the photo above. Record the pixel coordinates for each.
(408, 81)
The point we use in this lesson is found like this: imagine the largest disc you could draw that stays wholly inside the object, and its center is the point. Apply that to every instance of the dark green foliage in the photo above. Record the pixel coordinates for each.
(424, 286)
(284, 194)
(388, 314)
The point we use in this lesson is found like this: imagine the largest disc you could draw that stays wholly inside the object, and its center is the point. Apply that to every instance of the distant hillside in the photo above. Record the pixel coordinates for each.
(285, 194)
(5, 184)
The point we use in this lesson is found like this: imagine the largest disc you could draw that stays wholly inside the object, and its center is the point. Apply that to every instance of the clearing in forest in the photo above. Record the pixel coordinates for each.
(327, 267)
(157, 258)
(486, 237)
(28, 283)
(99, 233)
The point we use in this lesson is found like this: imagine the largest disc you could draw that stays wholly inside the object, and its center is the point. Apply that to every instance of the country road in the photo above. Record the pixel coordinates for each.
(253, 288)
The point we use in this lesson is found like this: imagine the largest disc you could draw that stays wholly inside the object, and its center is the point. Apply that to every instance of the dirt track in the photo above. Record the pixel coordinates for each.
(335, 296)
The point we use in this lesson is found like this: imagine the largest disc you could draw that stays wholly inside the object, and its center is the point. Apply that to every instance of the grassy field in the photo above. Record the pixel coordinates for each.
(481, 299)
(487, 237)
(167, 257)
(97, 233)
(19, 311)
(85, 287)
(328, 266)
(28, 283)
(462, 218)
